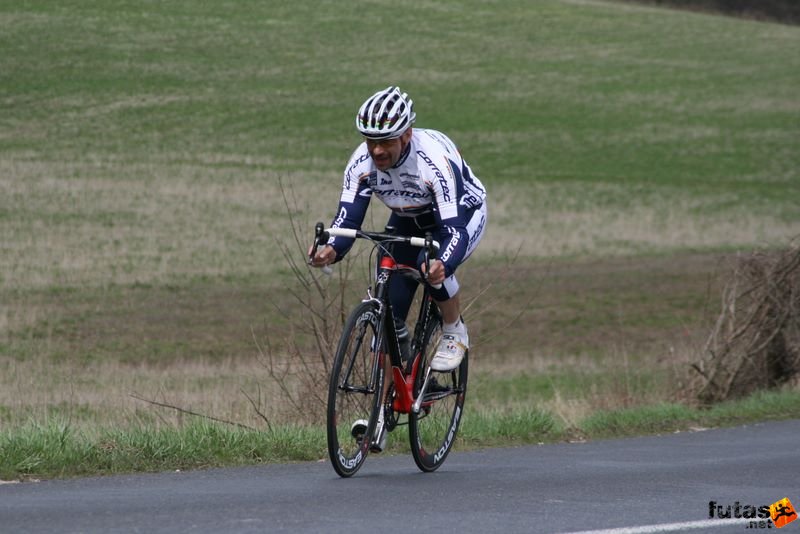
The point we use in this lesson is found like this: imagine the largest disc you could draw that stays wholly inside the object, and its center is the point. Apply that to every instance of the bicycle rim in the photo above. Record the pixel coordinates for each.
(433, 430)
(354, 390)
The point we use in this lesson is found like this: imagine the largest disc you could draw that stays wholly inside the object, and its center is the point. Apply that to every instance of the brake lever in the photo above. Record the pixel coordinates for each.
(428, 250)
(320, 237)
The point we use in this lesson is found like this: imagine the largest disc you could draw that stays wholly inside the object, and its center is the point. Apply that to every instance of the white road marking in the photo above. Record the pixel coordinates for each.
(669, 527)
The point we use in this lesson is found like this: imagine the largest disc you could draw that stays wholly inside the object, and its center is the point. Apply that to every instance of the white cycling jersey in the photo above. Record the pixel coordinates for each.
(430, 177)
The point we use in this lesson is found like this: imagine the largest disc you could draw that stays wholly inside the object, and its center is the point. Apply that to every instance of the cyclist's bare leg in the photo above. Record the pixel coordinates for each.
(451, 309)
(387, 372)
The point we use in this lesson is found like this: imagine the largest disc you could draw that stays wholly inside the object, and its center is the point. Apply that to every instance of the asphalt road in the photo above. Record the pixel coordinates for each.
(651, 484)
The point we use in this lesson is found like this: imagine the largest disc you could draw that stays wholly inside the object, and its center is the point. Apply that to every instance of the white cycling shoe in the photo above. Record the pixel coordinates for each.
(452, 348)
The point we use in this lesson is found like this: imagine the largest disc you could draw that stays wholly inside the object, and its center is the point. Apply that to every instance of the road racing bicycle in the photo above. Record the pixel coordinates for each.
(373, 384)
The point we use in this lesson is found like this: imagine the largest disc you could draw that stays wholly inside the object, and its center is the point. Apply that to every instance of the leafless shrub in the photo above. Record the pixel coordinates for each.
(296, 344)
(297, 354)
(755, 343)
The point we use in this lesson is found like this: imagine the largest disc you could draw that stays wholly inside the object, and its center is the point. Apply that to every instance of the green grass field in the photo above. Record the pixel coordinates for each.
(629, 153)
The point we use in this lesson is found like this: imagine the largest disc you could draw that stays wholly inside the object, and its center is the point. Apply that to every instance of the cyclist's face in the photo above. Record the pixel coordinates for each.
(386, 153)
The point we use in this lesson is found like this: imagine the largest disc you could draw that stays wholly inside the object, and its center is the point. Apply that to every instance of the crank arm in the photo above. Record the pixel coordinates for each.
(421, 395)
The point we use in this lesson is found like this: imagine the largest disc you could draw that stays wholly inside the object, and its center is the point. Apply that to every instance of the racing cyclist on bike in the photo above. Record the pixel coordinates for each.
(420, 175)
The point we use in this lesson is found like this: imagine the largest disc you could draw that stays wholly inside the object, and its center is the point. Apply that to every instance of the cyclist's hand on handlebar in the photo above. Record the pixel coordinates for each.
(436, 276)
(322, 257)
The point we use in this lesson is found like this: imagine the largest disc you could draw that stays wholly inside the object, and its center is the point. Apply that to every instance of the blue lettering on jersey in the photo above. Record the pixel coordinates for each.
(452, 246)
(437, 173)
(412, 185)
(399, 193)
(340, 218)
(349, 174)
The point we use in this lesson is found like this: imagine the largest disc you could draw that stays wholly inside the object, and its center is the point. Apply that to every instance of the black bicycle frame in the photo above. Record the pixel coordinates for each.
(388, 343)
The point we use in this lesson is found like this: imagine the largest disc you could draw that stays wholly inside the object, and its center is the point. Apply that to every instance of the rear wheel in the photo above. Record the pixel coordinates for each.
(433, 430)
(354, 390)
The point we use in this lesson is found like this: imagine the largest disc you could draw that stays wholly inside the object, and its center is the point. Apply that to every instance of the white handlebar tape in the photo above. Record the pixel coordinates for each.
(342, 232)
(352, 234)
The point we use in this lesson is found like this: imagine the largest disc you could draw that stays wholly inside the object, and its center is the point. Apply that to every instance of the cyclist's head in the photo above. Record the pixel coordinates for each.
(385, 115)
(385, 121)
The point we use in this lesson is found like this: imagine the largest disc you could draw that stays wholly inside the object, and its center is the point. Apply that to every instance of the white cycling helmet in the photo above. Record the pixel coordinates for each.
(386, 114)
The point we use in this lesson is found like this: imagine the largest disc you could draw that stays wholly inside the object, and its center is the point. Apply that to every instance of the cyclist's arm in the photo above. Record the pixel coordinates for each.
(447, 187)
(353, 202)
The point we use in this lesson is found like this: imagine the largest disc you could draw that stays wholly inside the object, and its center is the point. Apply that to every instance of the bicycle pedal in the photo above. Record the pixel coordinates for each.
(359, 428)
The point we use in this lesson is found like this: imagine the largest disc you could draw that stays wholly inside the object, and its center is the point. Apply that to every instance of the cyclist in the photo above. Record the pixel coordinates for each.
(420, 175)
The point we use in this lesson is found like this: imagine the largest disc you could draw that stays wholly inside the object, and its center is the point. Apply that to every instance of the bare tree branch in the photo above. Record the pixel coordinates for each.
(190, 412)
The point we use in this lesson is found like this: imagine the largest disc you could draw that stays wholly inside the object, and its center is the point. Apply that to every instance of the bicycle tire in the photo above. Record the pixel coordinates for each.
(433, 430)
(354, 390)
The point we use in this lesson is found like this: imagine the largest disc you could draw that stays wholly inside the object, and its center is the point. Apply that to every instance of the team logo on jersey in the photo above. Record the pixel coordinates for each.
(451, 247)
(411, 185)
(399, 193)
(438, 174)
(470, 201)
(348, 176)
(337, 223)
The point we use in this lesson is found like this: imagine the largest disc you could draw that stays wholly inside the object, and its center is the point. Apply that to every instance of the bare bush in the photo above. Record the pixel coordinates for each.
(755, 343)
(297, 354)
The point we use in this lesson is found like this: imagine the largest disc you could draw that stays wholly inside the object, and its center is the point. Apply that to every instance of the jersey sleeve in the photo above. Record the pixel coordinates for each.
(445, 178)
(354, 201)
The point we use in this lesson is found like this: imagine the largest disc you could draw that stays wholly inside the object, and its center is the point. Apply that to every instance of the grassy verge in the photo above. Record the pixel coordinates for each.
(674, 417)
(55, 449)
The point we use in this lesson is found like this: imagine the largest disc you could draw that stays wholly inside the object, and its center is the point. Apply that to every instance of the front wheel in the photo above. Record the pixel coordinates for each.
(433, 430)
(354, 390)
